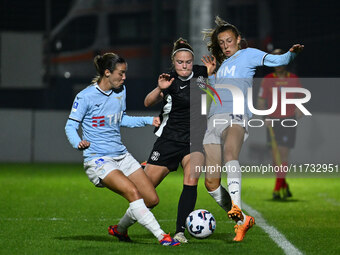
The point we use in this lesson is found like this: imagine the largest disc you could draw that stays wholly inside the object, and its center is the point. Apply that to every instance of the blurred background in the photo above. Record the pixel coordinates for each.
(47, 51)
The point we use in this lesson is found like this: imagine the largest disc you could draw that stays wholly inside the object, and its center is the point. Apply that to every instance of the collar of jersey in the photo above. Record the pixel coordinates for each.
(186, 79)
(106, 93)
(233, 56)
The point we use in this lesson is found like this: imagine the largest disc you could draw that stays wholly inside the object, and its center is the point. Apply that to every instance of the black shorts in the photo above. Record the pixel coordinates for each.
(285, 136)
(168, 153)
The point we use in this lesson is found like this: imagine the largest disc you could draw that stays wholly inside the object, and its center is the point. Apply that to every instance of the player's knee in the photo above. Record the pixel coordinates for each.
(133, 194)
(211, 185)
(152, 201)
(230, 155)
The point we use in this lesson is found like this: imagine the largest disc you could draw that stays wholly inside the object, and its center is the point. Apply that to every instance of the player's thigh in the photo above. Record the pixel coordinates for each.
(233, 138)
(156, 173)
(145, 187)
(212, 154)
(119, 183)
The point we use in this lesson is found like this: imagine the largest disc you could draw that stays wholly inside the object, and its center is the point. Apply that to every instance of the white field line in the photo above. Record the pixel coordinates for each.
(329, 200)
(274, 234)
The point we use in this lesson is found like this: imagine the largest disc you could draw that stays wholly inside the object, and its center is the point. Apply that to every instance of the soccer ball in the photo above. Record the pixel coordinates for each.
(201, 223)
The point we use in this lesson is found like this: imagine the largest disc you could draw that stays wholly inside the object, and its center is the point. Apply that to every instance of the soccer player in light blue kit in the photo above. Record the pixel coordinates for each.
(100, 109)
(237, 68)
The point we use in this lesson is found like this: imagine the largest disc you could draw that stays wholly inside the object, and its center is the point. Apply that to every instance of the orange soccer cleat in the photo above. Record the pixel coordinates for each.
(241, 230)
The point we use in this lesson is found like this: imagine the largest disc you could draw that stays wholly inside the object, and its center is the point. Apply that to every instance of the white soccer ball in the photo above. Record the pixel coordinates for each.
(201, 223)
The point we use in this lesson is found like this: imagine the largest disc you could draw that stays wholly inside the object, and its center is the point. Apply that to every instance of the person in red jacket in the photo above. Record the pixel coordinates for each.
(284, 136)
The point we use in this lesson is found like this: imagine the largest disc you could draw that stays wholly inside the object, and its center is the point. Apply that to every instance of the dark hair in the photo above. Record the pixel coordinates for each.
(212, 35)
(179, 45)
(107, 61)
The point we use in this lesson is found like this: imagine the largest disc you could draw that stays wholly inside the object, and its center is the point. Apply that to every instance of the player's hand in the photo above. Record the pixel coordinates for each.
(83, 145)
(156, 121)
(296, 48)
(164, 81)
(210, 63)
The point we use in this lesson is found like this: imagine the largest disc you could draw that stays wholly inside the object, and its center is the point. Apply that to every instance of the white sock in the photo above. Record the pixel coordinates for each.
(234, 183)
(222, 198)
(144, 217)
(126, 221)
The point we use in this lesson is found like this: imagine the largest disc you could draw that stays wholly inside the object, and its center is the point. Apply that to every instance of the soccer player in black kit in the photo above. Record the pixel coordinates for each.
(179, 142)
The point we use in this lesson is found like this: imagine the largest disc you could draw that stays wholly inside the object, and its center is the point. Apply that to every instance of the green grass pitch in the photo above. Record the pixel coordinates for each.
(54, 209)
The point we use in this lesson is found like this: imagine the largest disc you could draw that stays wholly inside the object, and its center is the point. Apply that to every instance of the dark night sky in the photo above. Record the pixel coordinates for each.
(23, 15)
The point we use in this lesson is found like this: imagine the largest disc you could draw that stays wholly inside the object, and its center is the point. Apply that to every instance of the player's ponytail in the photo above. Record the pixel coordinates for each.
(107, 61)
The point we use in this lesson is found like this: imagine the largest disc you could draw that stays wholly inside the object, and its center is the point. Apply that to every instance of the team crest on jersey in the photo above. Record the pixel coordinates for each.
(155, 155)
(201, 82)
(75, 106)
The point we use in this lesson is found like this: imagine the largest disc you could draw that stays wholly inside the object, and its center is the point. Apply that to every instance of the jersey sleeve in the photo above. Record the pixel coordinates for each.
(278, 60)
(76, 116)
(134, 121)
(256, 56)
(71, 132)
(79, 108)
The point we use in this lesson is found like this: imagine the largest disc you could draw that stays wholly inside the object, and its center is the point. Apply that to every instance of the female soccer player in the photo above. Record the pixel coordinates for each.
(237, 68)
(178, 141)
(100, 109)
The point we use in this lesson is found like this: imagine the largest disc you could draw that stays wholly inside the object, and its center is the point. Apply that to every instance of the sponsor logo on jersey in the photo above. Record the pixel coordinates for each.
(98, 121)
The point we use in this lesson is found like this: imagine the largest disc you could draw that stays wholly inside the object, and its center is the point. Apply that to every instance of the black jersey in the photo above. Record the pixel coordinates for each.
(176, 112)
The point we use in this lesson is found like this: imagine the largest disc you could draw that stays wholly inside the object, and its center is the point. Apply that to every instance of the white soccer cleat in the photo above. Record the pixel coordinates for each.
(180, 237)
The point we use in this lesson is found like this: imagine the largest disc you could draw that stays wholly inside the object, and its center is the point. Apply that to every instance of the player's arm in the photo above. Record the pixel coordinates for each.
(78, 111)
(138, 121)
(71, 128)
(284, 59)
(156, 95)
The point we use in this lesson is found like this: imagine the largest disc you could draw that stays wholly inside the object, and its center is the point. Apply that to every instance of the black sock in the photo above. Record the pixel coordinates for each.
(186, 205)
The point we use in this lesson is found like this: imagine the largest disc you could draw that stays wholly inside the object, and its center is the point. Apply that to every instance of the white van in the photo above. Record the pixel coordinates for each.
(121, 26)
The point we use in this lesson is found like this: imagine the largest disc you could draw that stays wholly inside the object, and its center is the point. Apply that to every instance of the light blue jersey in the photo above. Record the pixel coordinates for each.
(239, 70)
(101, 114)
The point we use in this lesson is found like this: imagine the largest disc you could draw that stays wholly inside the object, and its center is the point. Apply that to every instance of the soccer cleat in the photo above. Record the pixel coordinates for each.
(235, 213)
(276, 195)
(289, 194)
(122, 237)
(168, 241)
(180, 237)
(241, 230)
(286, 192)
